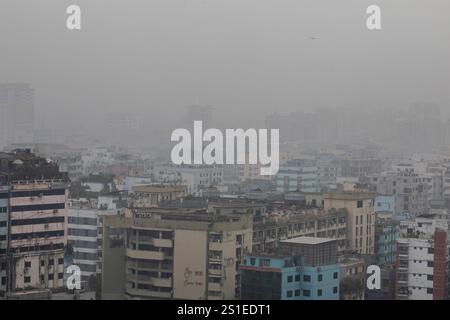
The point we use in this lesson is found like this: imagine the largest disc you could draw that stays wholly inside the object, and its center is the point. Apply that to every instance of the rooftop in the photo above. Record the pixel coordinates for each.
(158, 189)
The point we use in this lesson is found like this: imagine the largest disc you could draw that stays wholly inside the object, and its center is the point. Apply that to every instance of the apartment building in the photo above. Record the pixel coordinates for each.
(155, 253)
(331, 223)
(297, 175)
(360, 167)
(361, 218)
(34, 203)
(422, 260)
(153, 195)
(409, 188)
(303, 268)
(386, 234)
(82, 237)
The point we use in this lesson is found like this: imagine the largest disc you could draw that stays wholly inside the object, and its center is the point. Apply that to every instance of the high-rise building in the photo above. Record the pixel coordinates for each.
(422, 260)
(409, 189)
(202, 113)
(16, 113)
(155, 253)
(361, 218)
(33, 221)
(298, 175)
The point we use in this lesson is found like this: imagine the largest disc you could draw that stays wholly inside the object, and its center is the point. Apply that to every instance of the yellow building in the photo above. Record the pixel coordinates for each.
(154, 253)
(361, 218)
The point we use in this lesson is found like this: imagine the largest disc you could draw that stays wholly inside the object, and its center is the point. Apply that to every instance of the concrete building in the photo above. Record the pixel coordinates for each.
(387, 231)
(385, 204)
(361, 218)
(304, 268)
(35, 193)
(82, 237)
(198, 177)
(360, 167)
(352, 282)
(297, 175)
(422, 260)
(332, 223)
(152, 195)
(16, 114)
(154, 253)
(409, 188)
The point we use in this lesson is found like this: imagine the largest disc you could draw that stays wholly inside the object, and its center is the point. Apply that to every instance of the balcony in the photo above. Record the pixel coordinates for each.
(216, 246)
(157, 282)
(214, 286)
(148, 293)
(148, 255)
(215, 272)
(164, 243)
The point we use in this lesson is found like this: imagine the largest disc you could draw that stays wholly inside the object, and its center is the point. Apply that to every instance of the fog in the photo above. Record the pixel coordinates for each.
(247, 58)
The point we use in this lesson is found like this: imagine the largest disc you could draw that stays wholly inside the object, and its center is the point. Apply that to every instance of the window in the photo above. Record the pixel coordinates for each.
(51, 262)
(297, 293)
(50, 276)
(319, 292)
(3, 281)
(306, 278)
(289, 294)
(430, 250)
(319, 277)
(359, 204)
(60, 275)
(430, 290)
(335, 275)
(27, 264)
(306, 293)
(335, 289)
(42, 263)
(264, 262)
(430, 264)
(430, 277)
(290, 278)
(297, 278)
(61, 261)
(252, 261)
(27, 279)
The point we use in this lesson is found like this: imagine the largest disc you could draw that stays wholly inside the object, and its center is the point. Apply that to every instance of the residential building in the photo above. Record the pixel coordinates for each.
(303, 268)
(267, 232)
(33, 196)
(152, 195)
(298, 175)
(422, 260)
(147, 254)
(361, 218)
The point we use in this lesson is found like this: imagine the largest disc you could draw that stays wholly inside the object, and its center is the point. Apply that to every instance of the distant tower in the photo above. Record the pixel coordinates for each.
(16, 113)
(200, 112)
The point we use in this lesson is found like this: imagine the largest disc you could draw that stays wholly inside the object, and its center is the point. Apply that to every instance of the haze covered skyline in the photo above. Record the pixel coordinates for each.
(246, 58)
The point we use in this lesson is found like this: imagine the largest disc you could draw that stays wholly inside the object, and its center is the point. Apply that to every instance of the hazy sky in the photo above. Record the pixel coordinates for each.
(155, 57)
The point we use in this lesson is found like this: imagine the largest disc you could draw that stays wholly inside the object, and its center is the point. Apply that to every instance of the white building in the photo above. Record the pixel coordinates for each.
(82, 235)
(422, 258)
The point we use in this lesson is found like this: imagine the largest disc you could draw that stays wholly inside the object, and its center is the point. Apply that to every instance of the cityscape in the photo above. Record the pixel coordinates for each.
(356, 205)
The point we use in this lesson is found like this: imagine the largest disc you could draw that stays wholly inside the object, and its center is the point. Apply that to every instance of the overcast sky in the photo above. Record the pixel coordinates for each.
(247, 57)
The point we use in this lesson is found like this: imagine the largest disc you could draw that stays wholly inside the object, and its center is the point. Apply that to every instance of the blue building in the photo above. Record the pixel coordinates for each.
(304, 268)
(385, 203)
(298, 175)
(387, 230)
